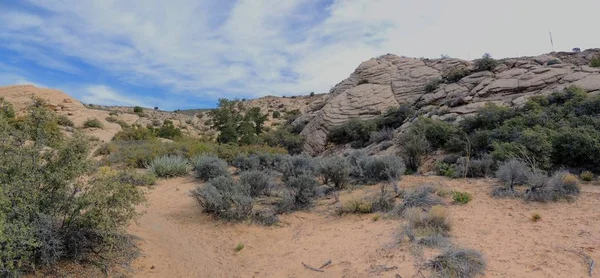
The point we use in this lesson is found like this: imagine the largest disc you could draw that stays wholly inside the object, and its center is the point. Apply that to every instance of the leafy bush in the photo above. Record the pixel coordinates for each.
(298, 165)
(123, 124)
(93, 122)
(6, 109)
(209, 167)
(587, 176)
(513, 172)
(356, 131)
(135, 133)
(455, 75)
(168, 130)
(135, 178)
(283, 137)
(486, 63)
(458, 262)
(395, 117)
(335, 169)
(385, 168)
(140, 153)
(53, 206)
(65, 121)
(536, 216)
(169, 166)
(276, 114)
(111, 119)
(595, 62)
(255, 182)
(476, 167)
(447, 170)
(225, 198)
(414, 146)
(246, 162)
(461, 197)
(138, 109)
(432, 85)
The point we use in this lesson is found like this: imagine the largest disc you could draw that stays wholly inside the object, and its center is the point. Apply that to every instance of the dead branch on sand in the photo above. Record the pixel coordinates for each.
(587, 259)
(312, 268)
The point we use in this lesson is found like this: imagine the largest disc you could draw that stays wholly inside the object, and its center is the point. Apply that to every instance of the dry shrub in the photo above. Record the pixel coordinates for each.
(428, 228)
(421, 197)
(458, 262)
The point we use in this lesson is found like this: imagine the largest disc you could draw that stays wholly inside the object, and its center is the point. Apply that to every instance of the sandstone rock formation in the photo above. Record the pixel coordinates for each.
(63, 104)
(389, 80)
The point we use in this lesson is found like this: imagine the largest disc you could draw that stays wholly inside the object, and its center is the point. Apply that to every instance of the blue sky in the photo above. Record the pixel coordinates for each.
(187, 53)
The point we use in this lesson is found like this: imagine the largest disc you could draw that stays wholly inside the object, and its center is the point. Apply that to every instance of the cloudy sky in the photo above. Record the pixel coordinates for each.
(188, 53)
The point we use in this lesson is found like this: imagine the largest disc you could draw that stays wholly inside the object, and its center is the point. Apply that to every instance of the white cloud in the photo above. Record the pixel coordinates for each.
(104, 95)
(250, 48)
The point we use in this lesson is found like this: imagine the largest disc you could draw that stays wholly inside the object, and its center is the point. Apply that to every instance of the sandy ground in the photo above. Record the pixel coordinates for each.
(180, 241)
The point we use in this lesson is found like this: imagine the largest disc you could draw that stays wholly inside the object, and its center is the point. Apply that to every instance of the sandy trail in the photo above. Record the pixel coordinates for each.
(180, 241)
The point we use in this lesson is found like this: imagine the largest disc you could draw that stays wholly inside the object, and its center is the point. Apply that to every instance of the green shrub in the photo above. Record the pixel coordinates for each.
(130, 177)
(461, 197)
(486, 63)
(381, 135)
(111, 119)
(356, 131)
(92, 122)
(335, 169)
(138, 109)
(169, 166)
(283, 137)
(135, 133)
(586, 176)
(458, 262)
(595, 62)
(104, 149)
(209, 167)
(395, 117)
(276, 114)
(432, 85)
(385, 168)
(168, 130)
(455, 75)
(447, 170)
(224, 198)
(123, 124)
(65, 121)
(255, 182)
(414, 146)
(6, 109)
(53, 207)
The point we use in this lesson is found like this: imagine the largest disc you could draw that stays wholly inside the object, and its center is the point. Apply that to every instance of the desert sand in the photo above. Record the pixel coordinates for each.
(178, 240)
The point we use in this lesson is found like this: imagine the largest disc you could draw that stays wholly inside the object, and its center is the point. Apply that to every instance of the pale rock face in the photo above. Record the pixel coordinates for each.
(390, 80)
